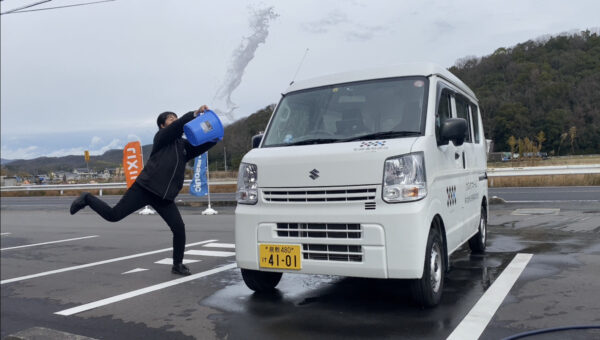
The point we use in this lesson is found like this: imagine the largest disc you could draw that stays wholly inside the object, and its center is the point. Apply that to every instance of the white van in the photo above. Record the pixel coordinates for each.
(378, 173)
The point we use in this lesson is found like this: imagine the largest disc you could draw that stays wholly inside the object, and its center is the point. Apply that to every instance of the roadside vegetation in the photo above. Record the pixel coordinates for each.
(548, 85)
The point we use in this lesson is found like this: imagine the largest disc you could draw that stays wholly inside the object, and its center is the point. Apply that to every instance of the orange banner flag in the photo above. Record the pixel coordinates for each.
(132, 162)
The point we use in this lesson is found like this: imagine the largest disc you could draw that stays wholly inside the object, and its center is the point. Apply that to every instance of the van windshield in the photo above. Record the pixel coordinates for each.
(380, 109)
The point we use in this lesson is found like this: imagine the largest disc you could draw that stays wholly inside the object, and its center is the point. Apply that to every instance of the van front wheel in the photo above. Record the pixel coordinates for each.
(260, 282)
(427, 291)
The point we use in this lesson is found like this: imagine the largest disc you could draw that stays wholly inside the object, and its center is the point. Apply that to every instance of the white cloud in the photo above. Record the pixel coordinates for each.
(323, 25)
(99, 150)
(95, 141)
(69, 151)
(20, 153)
(114, 144)
(132, 137)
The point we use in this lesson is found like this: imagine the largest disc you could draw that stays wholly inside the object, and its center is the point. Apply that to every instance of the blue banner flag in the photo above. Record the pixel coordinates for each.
(199, 185)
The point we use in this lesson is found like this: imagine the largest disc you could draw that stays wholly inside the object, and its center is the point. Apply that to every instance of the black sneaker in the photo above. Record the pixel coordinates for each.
(79, 203)
(180, 269)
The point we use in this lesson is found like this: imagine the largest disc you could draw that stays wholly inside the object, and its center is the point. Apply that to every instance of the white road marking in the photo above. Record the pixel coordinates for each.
(136, 270)
(169, 261)
(142, 291)
(51, 242)
(480, 315)
(62, 270)
(220, 245)
(210, 253)
(3, 234)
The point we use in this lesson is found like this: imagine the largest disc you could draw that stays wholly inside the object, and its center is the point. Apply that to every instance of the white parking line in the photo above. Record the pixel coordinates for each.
(51, 242)
(220, 245)
(3, 234)
(480, 315)
(136, 270)
(142, 291)
(210, 253)
(27, 277)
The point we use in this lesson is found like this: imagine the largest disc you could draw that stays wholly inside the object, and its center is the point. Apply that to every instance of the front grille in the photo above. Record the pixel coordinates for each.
(319, 230)
(330, 252)
(323, 195)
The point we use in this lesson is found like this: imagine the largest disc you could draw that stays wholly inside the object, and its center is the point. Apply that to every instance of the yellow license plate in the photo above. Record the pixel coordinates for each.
(280, 256)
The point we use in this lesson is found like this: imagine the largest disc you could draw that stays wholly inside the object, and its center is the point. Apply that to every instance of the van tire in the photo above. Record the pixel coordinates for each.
(259, 281)
(427, 291)
(478, 242)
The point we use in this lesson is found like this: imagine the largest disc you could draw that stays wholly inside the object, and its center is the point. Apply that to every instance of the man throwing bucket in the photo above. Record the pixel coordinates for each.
(159, 182)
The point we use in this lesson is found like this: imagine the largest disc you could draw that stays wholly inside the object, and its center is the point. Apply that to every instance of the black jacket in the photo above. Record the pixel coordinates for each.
(164, 172)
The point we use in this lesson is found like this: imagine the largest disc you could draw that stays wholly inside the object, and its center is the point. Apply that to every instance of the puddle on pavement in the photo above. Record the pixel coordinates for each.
(341, 307)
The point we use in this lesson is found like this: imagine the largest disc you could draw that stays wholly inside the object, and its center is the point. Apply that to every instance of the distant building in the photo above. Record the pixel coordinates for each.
(84, 173)
(8, 181)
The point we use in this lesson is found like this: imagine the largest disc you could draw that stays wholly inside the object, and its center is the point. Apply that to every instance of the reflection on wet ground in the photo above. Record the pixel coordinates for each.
(340, 307)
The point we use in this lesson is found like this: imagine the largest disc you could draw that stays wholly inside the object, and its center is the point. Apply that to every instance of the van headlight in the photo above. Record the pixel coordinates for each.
(404, 178)
(247, 188)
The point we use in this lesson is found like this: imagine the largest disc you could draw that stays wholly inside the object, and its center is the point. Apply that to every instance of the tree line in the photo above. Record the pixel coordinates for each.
(552, 86)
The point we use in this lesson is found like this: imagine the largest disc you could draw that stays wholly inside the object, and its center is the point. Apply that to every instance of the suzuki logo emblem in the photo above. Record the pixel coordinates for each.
(314, 174)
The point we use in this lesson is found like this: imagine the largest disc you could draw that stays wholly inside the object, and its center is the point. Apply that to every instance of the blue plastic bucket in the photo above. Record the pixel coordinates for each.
(203, 129)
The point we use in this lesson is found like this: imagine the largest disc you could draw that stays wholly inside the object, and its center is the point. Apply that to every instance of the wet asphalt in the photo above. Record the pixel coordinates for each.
(559, 287)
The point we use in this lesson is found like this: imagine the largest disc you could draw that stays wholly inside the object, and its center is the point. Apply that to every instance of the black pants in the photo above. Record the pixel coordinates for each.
(137, 197)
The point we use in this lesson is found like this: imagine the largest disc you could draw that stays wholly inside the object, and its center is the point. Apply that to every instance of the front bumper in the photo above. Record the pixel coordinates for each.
(391, 242)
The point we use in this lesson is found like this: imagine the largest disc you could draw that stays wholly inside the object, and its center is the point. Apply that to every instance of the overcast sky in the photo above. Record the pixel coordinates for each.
(95, 77)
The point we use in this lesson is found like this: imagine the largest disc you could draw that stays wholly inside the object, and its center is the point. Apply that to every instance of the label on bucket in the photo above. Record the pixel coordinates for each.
(206, 126)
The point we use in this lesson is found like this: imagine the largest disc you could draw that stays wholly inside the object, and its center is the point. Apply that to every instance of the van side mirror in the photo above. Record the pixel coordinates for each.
(454, 129)
(256, 139)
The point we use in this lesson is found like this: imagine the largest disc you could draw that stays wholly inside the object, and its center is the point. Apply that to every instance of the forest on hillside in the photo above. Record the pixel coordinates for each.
(550, 86)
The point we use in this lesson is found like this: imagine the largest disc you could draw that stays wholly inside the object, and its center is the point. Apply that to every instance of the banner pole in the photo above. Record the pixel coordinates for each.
(147, 210)
(209, 210)
(208, 180)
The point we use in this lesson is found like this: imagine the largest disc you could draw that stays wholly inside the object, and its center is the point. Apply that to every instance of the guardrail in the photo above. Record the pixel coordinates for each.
(545, 170)
(492, 172)
(95, 186)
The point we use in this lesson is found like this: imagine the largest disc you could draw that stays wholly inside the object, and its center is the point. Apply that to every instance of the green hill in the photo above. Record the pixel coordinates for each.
(550, 86)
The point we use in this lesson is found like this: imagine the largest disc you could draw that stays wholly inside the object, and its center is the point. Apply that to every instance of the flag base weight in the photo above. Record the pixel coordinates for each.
(147, 211)
(210, 211)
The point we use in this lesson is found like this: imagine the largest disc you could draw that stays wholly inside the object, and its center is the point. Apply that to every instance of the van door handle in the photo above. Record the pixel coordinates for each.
(456, 155)
(464, 161)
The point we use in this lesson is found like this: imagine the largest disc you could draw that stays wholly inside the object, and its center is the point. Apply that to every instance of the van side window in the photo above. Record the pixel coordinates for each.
(475, 116)
(462, 111)
(444, 112)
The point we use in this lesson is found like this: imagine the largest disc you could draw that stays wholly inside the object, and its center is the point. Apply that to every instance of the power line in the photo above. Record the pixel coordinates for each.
(26, 6)
(57, 7)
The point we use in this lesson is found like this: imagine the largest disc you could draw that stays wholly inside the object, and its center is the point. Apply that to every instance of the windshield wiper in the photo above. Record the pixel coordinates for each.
(313, 141)
(384, 134)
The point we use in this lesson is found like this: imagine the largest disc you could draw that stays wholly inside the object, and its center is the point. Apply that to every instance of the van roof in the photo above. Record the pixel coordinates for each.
(393, 71)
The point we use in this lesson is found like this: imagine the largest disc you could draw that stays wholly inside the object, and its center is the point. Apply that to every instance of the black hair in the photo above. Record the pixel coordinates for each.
(163, 117)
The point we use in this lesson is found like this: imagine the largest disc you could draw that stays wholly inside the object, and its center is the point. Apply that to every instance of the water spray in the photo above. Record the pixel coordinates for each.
(241, 57)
